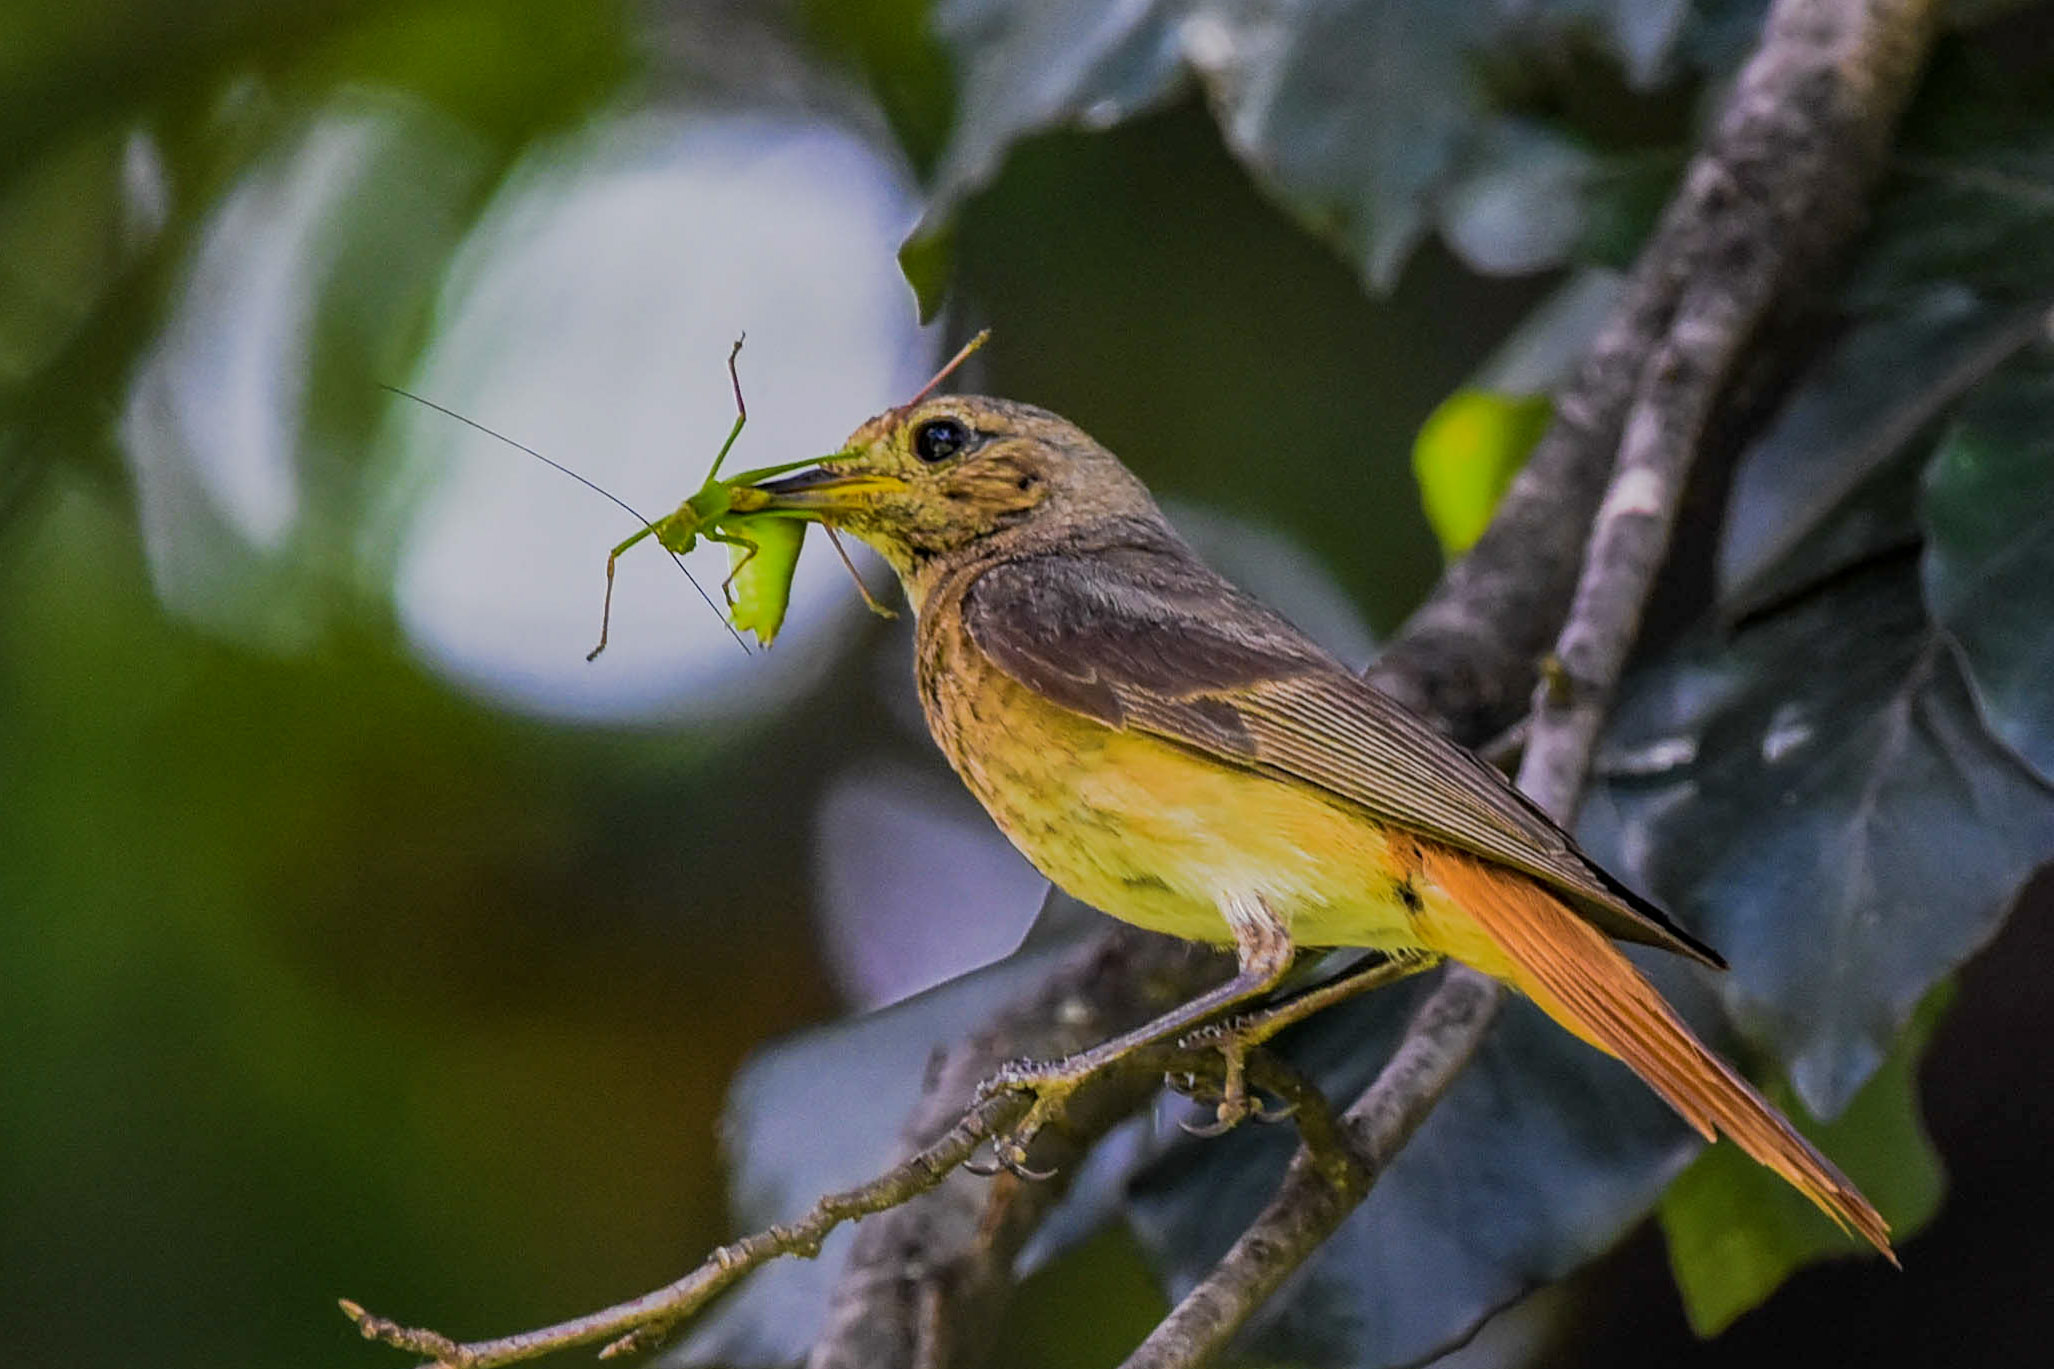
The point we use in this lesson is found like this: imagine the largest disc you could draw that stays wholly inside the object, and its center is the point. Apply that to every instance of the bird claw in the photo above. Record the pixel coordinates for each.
(1013, 1159)
(1050, 1084)
(1232, 1101)
(1007, 1159)
(1282, 1112)
(1225, 1118)
(1231, 1111)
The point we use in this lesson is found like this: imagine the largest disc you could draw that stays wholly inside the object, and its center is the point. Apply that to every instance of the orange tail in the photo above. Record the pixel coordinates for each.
(1579, 978)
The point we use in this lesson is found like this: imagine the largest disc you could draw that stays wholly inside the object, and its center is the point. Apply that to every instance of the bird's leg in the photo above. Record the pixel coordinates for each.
(1235, 1038)
(1262, 944)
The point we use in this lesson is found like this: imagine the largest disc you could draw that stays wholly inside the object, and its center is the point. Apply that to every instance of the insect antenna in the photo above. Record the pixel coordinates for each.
(592, 485)
(943, 374)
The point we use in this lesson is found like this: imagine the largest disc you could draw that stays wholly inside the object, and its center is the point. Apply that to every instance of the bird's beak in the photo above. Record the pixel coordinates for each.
(821, 491)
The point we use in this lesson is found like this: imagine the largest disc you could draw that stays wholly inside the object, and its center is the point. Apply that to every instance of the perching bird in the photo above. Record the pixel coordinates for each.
(1174, 753)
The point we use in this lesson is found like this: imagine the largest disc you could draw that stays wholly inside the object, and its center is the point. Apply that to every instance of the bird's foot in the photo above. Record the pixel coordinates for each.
(1050, 1084)
(1233, 1101)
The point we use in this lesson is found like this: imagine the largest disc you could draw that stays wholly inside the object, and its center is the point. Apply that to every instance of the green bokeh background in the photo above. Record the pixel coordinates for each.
(325, 979)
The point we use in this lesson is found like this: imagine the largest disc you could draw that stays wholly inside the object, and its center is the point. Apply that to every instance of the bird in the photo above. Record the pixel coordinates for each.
(1171, 751)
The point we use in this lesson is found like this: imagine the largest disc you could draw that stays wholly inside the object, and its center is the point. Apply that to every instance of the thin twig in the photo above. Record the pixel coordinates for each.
(641, 1323)
(1116, 982)
(954, 1248)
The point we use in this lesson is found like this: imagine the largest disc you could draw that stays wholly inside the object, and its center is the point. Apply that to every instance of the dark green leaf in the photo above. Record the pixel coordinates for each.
(1971, 195)
(1989, 566)
(1863, 406)
(924, 259)
(1736, 1231)
(1818, 799)
(1028, 68)
(907, 70)
(1373, 120)
(63, 226)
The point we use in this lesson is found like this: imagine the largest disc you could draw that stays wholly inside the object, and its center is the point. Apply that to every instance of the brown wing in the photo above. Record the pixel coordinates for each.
(1144, 636)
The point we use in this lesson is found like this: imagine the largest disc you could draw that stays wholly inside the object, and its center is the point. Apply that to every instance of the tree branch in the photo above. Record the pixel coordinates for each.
(642, 1323)
(953, 1250)
(1314, 1198)
(1782, 181)
(1802, 133)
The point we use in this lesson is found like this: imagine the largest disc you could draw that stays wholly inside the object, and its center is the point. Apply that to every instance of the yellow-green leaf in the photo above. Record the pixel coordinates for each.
(1736, 1231)
(1467, 452)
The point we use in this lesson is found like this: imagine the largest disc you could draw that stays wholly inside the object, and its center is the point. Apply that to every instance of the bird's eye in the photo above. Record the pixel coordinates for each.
(938, 439)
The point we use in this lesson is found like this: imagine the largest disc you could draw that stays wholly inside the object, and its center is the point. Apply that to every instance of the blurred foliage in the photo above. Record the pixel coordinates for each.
(902, 63)
(327, 976)
(1374, 123)
(1467, 452)
(1989, 573)
(323, 979)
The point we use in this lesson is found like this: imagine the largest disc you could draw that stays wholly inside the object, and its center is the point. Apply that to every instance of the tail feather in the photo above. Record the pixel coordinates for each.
(1579, 978)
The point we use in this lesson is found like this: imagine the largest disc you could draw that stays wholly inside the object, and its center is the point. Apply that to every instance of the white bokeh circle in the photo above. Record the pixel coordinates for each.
(590, 316)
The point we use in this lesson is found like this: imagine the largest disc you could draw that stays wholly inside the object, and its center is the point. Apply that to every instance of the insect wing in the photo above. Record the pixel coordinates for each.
(762, 583)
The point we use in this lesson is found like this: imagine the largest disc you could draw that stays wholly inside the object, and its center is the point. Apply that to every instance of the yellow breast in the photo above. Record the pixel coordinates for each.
(1150, 831)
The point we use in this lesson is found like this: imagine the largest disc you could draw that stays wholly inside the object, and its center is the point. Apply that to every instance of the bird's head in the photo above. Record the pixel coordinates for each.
(939, 480)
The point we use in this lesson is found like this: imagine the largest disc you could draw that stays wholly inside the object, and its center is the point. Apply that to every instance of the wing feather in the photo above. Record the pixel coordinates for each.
(1143, 635)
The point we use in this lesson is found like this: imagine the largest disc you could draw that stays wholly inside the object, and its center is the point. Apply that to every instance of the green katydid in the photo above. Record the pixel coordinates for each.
(765, 555)
(763, 547)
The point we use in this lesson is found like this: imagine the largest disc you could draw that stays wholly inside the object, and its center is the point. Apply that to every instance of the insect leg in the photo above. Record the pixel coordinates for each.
(606, 612)
(749, 550)
(869, 599)
(741, 409)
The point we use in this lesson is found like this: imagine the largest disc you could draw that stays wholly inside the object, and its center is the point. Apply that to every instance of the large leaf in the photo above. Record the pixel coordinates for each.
(915, 885)
(1373, 120)
(1809, 496)
(1540, 1156)
(1736, 1231)
(1989, 567)
(1818, 798)
(1971, 193)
